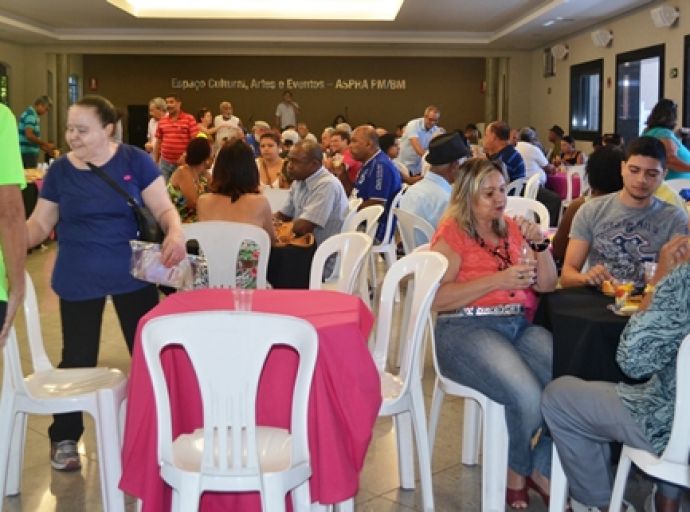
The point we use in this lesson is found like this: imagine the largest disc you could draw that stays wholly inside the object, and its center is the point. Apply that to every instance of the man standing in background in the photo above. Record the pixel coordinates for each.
(286, 112)
(225, 121)
(415, 141)
(172, 136)
(30, 141)
(12, 224)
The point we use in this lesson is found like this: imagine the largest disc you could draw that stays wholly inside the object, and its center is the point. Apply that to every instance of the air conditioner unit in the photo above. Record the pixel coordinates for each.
(602, 38)
(560, 51)
(664, 16)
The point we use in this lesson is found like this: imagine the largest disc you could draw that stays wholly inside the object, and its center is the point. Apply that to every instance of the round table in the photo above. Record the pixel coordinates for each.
(343, 403)
(585, 333)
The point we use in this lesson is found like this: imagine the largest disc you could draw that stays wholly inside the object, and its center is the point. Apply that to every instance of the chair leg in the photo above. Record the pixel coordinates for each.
(422, 443)
(471, 432)
(108, 441)
(185, 500)
(619, 484)
(7, 423)
(345, 506)
(301, 499)
(495, 458)
(434, 414)
(272, 499)
(14, 469)
(558, 490)
(403, 428)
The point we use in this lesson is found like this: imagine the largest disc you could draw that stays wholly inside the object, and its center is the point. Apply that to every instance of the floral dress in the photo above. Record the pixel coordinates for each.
(187, 214)
(247, 265)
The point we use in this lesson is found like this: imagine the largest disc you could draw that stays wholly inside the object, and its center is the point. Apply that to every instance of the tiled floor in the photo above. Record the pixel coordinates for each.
(456, 487)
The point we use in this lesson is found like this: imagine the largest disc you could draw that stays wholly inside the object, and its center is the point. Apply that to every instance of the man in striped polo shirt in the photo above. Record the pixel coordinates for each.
(174, 132)
(29, 129)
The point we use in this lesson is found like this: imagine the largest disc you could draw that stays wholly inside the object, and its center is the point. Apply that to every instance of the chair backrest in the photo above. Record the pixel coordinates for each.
(353, 204)
(413, 229)
(678, 184)
(678, 447)
(277, 197)
(516, 187)
(532, 187)
(220, 241)
(425, 270)
(39, 358)
(527, 208)
(227, 351)
(390, 220)
(368, 216)
(351, 249)
(581, 171)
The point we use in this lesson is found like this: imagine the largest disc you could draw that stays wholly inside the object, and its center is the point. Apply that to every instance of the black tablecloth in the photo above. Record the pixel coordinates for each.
(585, 333)
(290, 266)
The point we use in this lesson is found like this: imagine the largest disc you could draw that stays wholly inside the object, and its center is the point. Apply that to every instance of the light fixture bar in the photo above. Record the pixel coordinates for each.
(337, 10)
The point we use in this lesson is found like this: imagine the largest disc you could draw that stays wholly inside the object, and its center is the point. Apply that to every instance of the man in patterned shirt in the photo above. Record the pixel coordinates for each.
(29, 129)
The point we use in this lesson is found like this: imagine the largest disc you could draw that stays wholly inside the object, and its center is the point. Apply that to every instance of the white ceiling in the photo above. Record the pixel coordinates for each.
(496, 24)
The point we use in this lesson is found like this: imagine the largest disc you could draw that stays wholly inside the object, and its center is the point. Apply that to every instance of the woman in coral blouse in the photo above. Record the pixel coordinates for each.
(483, 339)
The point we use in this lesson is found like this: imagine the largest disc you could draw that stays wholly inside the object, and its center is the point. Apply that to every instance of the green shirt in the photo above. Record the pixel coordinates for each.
(11, 171)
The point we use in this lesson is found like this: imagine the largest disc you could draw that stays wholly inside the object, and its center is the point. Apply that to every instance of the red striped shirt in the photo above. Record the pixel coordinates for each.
(175, 134)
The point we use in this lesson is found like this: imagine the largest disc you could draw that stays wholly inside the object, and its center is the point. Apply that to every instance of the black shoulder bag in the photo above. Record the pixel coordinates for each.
(149, 230)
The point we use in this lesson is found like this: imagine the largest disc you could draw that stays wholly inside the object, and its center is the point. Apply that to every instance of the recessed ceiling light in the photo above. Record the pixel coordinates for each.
(371, 10)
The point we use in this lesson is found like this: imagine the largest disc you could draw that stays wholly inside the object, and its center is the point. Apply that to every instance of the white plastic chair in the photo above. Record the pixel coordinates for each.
(527, 208)
(403, 397)
(369, 218)
(679, 184)
(516, 187)
(532, 187)
(480, 413)
(672, 466)
(388, 246)
(277, 197)
(227, 350)
(220, 242)
(351, 250)
(558, 487)
(571, 172)
(98, 391)
(412, 229)
(581, 171)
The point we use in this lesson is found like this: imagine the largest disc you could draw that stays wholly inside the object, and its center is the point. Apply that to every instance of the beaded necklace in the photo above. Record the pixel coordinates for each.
(502, 257)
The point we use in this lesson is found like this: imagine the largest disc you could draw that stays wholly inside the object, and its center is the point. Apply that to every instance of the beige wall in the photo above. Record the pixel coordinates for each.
(453, 84)
(550, 96)
(13, 57)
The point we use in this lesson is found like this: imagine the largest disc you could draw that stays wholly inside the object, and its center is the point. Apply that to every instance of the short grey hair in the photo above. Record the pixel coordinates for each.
(158, 102)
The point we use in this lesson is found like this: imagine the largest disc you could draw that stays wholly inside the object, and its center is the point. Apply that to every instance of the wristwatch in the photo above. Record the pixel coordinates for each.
(540, 246)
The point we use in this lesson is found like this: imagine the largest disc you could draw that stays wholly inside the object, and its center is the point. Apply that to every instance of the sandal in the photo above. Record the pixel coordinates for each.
(531, 484)
(517, 498)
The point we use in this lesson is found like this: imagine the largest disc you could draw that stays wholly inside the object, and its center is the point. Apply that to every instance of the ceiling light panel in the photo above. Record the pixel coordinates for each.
(336, 10)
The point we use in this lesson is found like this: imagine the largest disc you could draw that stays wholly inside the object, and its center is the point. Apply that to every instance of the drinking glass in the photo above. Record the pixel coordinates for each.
(243, 298)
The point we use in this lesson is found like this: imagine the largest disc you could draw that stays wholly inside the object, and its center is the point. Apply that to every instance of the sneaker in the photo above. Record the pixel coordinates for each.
(579, 507)
(64, 456)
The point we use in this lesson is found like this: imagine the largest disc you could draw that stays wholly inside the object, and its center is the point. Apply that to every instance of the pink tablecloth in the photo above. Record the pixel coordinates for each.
(559, 183)
(343, 404)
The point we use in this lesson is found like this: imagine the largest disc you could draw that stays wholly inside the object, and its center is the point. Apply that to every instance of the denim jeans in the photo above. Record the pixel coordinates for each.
(508, 360)
(167, 168)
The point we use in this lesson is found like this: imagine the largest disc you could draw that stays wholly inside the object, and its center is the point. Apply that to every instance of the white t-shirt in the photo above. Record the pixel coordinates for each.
(534, 159)
(225, 126)
(287, 113)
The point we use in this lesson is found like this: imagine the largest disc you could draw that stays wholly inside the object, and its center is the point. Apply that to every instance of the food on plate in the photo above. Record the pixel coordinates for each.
(607, 288)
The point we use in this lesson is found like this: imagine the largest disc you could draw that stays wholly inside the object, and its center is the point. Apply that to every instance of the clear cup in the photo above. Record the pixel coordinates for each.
(532, 263)
(649, 270)
(243, 298)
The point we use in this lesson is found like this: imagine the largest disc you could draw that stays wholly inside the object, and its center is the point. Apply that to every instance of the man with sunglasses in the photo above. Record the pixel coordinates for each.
(615, 233)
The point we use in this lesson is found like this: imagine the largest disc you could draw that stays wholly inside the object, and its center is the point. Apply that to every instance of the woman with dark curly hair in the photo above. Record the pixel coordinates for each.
(660, 125)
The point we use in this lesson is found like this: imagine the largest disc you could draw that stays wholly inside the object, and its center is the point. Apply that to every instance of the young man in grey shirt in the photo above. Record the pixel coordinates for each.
(615, 233)
(317, 202)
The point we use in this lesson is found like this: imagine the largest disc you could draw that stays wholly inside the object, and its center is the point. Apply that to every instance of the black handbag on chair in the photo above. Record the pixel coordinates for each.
(149, 230)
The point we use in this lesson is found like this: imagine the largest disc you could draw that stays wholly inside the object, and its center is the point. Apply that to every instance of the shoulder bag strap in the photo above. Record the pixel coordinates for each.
(113, 184)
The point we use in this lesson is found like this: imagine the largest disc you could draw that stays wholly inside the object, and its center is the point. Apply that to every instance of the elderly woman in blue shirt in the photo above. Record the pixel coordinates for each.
(660, 125)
